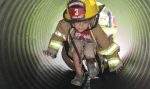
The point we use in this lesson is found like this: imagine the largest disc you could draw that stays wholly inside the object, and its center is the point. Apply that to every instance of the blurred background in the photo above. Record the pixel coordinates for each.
(27, 25)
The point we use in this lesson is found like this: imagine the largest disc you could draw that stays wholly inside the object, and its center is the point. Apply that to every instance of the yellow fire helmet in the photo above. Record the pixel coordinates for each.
(80, 10)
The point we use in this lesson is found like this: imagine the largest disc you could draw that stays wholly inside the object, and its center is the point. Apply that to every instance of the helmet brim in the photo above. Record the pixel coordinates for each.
(79, 20)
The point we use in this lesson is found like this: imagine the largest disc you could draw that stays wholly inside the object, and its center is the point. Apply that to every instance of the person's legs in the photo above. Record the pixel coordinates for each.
(78, 67)
(89, 52)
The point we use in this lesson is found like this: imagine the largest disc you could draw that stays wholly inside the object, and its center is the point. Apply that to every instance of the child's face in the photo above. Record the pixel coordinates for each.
(81, 26)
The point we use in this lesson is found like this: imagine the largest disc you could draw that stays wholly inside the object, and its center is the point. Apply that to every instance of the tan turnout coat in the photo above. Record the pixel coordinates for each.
(105, 45)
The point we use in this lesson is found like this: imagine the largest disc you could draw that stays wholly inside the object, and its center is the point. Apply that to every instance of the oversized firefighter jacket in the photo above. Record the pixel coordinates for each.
(105, 46)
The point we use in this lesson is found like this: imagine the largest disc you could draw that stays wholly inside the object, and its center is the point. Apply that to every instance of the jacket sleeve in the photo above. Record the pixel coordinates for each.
(107, 48)
(58, 37)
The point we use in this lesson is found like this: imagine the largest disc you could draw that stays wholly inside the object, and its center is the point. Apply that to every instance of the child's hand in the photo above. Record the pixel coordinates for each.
(50, 52)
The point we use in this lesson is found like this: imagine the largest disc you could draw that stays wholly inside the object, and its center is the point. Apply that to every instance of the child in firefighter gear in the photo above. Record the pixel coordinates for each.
(80, 24)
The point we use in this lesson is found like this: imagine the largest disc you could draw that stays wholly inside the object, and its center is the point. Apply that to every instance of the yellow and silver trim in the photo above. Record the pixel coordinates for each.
(57, 33)
(55, 44)
(110, 50)
(114, 63)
